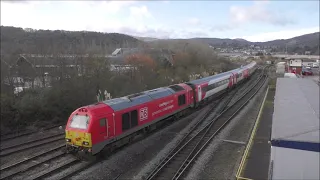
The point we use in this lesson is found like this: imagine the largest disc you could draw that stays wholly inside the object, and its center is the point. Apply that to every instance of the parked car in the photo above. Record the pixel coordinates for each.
(307, 72)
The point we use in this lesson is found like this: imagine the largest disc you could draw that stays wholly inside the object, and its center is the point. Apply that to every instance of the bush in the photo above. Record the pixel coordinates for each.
(8, 112)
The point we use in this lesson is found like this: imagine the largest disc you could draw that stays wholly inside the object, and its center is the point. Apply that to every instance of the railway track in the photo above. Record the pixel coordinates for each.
(31, 162)
(175, 164)
(31, 144)
(45, 167)
(31, 141)
(16, 134)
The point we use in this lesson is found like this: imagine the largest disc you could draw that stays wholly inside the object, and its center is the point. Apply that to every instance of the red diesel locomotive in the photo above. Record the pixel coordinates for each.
(113, 123)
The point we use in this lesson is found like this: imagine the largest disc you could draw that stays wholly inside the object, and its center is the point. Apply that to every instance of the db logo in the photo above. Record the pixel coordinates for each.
(143, 113)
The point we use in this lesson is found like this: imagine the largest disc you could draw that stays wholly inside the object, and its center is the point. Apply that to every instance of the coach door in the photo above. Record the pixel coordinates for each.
(199, 93)
(231, 81)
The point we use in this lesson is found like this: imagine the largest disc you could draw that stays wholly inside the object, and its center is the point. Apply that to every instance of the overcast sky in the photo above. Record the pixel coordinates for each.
(260, 20)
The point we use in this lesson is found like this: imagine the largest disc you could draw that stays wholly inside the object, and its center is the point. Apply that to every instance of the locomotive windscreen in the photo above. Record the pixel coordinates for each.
(80, 122)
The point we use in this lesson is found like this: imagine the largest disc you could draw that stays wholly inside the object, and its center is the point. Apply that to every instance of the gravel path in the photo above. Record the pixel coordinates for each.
(220, 159)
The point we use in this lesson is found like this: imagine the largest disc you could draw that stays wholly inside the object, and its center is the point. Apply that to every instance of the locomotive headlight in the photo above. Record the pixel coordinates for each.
(68, 140)
(85, 143)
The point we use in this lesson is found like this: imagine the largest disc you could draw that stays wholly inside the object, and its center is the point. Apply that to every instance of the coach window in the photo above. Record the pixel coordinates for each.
(134, 118)
(205, 89)
(125, 121)
(215, 85)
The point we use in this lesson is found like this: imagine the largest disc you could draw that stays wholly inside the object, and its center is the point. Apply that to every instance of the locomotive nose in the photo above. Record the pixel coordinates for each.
(77, 138)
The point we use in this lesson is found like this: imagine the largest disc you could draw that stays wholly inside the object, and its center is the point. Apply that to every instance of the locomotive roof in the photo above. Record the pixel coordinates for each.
(121, 103)
(199, 81)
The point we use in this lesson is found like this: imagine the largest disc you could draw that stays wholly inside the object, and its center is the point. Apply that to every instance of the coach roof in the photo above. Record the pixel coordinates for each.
(207, 79)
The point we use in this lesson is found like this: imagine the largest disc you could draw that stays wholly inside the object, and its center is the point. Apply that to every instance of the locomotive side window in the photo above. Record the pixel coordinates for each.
(102, 122)
(125, 121)
(134, 118)
(182, 99)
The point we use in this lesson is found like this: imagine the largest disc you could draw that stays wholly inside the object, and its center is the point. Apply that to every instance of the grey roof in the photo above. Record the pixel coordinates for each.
(217, 76)
(296, 110)
(209, 78)
(294, 164)
(118, 104)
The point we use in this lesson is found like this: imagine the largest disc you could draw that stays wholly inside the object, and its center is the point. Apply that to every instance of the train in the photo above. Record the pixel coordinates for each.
(110, 124)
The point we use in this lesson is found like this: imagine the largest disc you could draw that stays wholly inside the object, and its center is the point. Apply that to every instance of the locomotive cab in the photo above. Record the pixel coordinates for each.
(87, 127)
(78, 138)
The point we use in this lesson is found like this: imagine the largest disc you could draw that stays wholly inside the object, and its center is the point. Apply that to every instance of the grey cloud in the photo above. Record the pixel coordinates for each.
(161, 33)
(222, 27)
(193, 34)
(148, 32)
(16, 1)
(281, 20)
(259, 12)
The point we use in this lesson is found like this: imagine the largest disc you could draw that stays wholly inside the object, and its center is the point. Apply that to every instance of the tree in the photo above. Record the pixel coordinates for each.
(140, 60)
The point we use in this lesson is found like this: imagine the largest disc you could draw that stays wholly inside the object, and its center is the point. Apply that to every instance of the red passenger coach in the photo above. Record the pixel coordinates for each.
(118, 120)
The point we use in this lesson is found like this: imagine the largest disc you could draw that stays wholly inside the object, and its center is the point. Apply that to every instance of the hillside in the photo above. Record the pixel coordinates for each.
(303, 40)
(146, 39)
(299, 44)
(29, 41)
(223, 42)
(307, 39)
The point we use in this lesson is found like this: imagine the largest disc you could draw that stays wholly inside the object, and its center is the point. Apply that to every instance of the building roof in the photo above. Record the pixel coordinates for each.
(296, 111)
